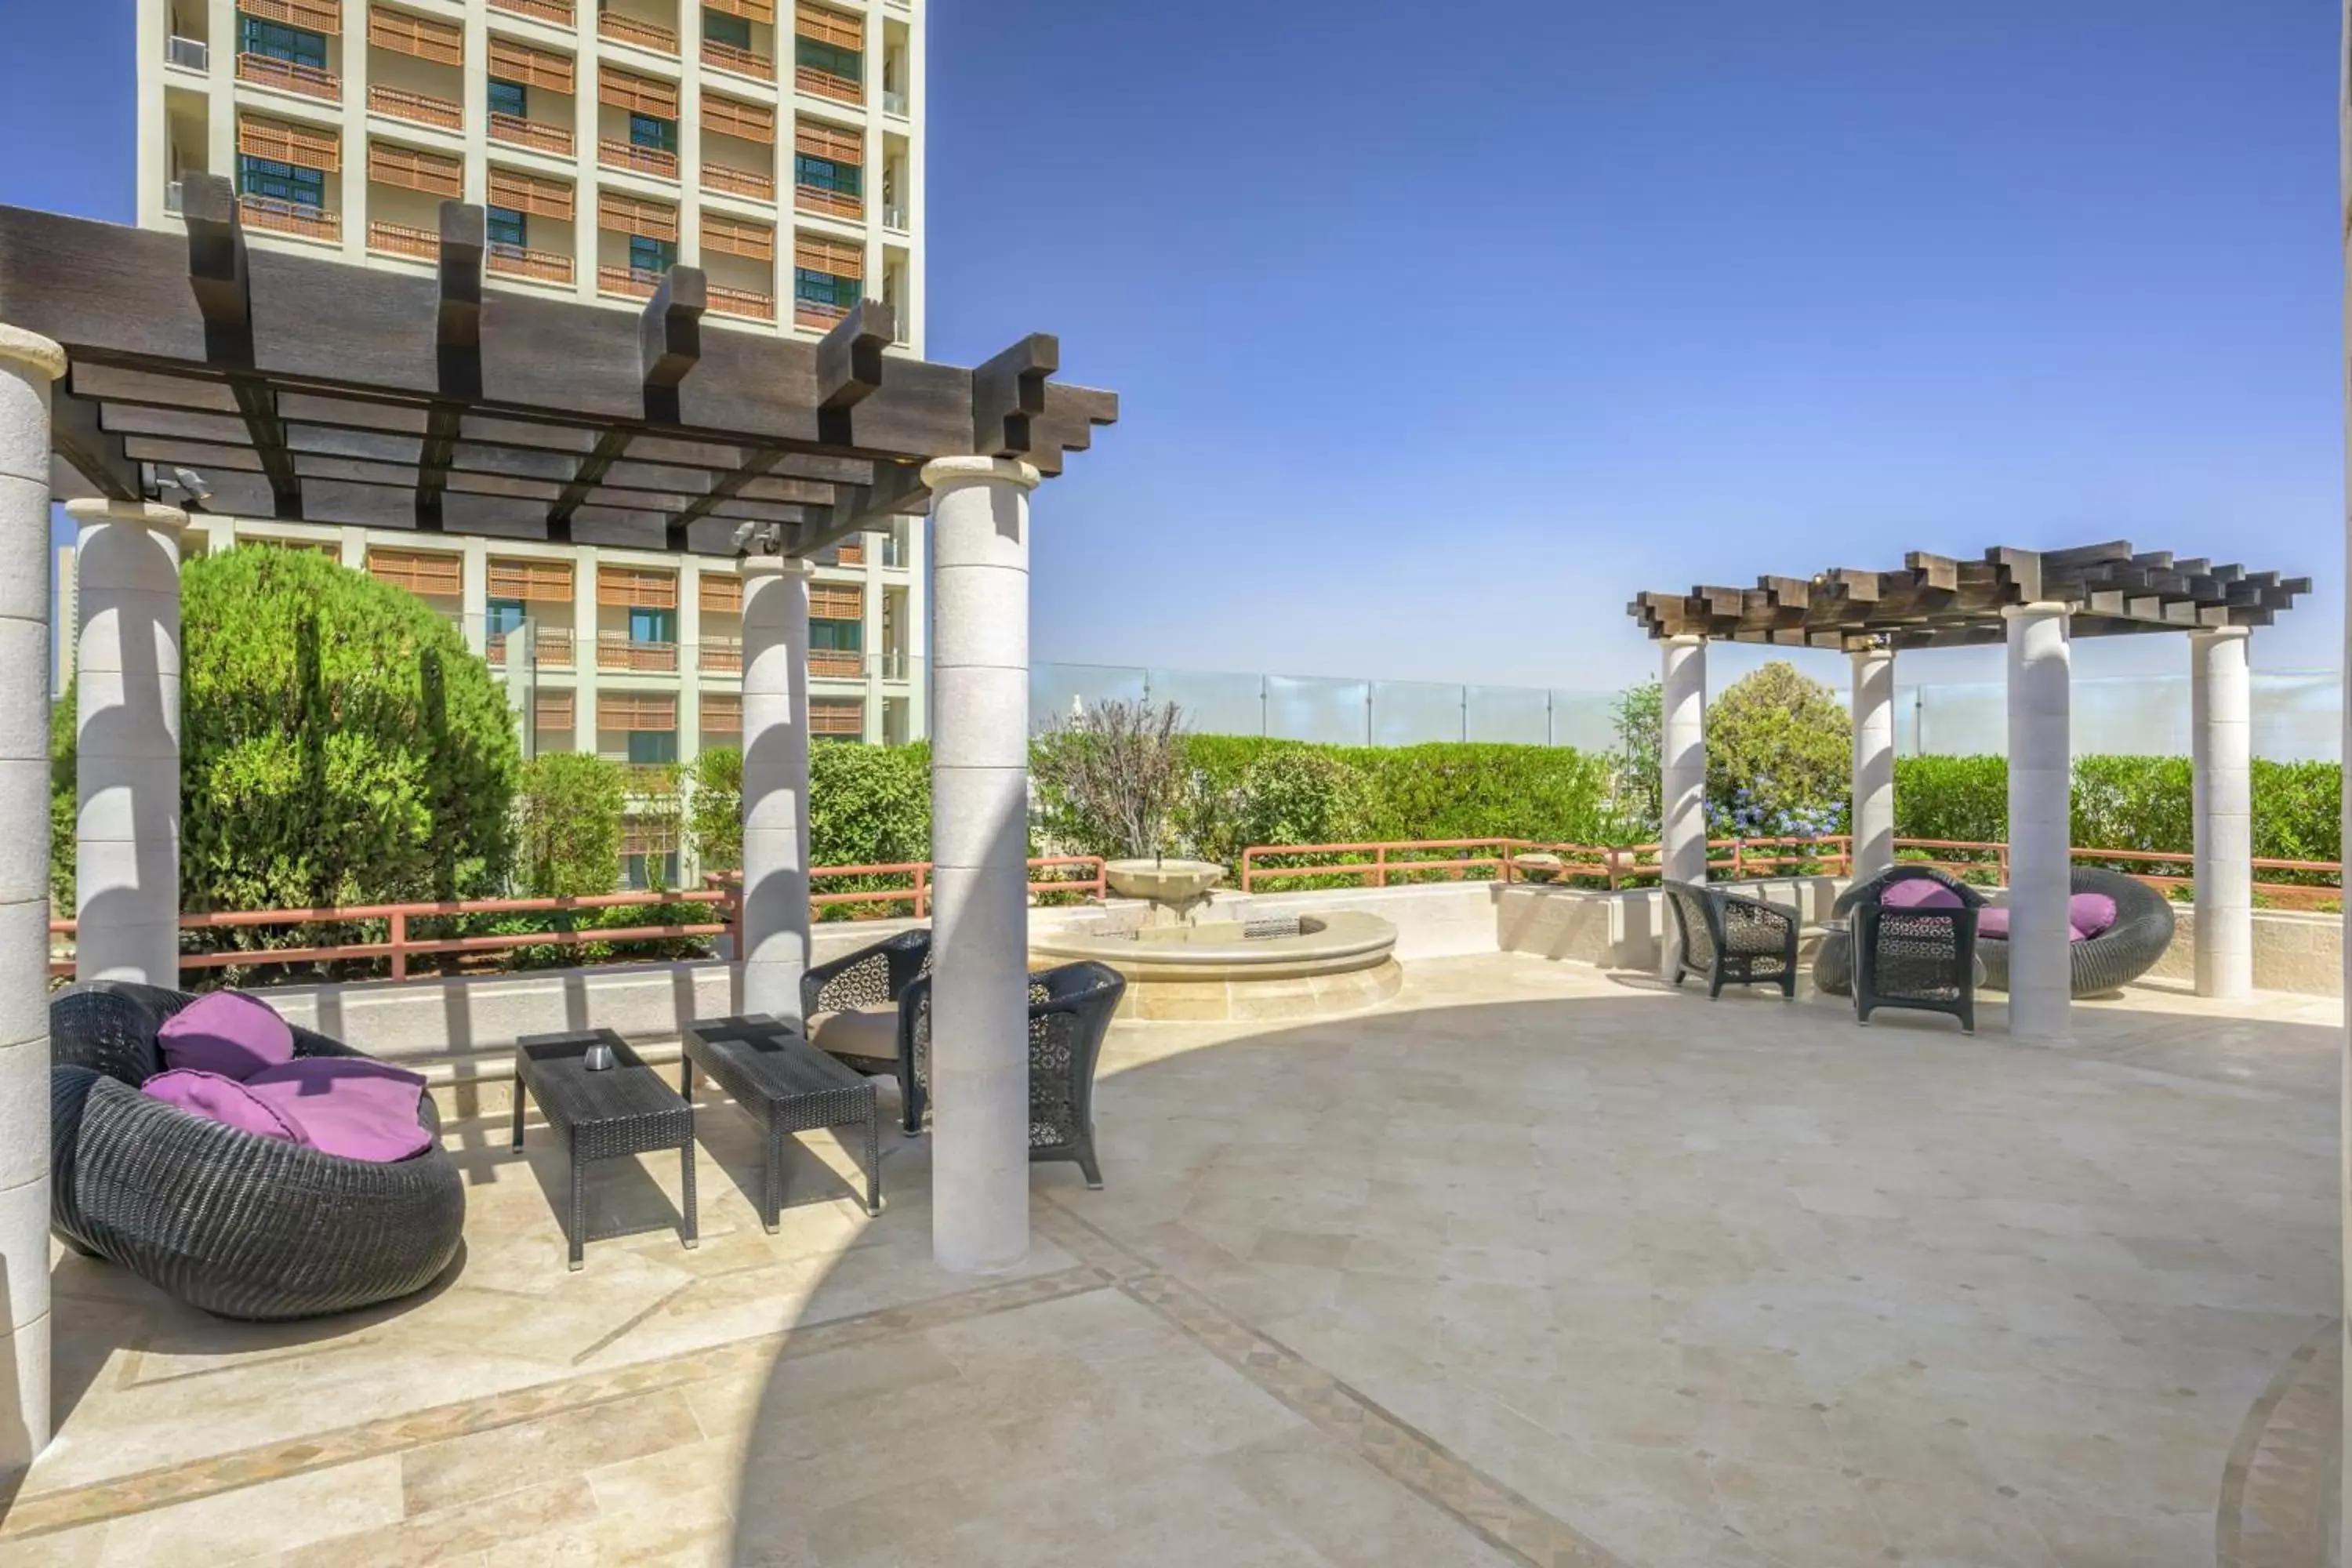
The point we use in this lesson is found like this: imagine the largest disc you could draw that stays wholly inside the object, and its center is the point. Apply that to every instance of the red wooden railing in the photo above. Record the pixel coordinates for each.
(398, 947)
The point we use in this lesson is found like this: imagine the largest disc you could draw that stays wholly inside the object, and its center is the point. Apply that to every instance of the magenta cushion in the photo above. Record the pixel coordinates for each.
(1994, 922)
(351, 1106)
(2089, 914)
(222, 1099)
(225, 1032)
(1919, 893)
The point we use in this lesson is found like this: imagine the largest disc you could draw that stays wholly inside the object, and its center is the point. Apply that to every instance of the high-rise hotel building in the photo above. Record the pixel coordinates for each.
(775, 144)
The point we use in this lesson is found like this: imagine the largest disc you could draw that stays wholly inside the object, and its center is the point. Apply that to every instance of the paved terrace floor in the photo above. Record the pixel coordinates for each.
(1532, 1265)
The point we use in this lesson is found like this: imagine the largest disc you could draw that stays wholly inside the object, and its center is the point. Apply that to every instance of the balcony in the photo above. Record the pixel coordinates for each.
(630, 282)
(188, 54)
(745, 302)
(615, 154)
(419, 108)
(292, 217)
(622, 29)
(399, 239)
(615, 650)
(743, 62)
(558, 12)
(520, 261)
(894, 103)
(173, 194)
(826, 84)
(737, 182)
(720, 655)
(287, 76)
(894, 215)
(810, 314)
(552, 647)
(831, 203)
(836, 665)
(537, 135)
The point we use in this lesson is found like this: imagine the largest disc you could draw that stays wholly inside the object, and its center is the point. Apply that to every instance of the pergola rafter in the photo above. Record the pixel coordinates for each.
(309, 390)
(1935, 601)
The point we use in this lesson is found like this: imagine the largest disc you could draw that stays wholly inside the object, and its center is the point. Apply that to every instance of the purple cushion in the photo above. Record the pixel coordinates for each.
(1994, 922)
(222, 1099)
(1919, 893)
(225, 1032)
(2089, 914)
(351, 1106)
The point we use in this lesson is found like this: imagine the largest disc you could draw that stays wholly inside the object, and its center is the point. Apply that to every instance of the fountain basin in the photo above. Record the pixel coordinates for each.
(1312, 966)
(1171, 882)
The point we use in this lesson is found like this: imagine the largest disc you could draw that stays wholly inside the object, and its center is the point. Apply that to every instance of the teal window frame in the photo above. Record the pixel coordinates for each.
(296, 46)
(653, 626)
(503, 616)
(510, 98)
(269, 178)
(831, 58)
(814, 288)
(652, 130)
(651, 256)
(504, 226)
(836, 636)
(653, 747)
(721, 29)
(828, 174)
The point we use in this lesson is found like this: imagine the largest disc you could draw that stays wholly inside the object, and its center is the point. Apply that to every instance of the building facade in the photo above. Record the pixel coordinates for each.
(776, 145)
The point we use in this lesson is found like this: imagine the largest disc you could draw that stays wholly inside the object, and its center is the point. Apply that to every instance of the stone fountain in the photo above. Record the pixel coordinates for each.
(1176, 888)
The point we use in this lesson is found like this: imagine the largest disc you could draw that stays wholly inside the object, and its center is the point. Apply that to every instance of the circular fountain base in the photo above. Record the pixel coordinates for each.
(1313, 967)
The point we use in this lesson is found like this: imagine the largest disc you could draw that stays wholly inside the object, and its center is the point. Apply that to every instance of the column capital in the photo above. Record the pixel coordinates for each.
(2039, 610)
(2219, 634)
(778, 566)
(31, 349)
(1876, 653)
(1683, 639)
(145, 514)
(951, 473)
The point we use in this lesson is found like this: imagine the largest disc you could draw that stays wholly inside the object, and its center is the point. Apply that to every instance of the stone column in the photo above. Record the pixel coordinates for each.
(127, 742)
(980, 846)
(2040, 819)
(1682, 797)
(1873, 822)
(775, 930)
(27, 365)
(2221, 699)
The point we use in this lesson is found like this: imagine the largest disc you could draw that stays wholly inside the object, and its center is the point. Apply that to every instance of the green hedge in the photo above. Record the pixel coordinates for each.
(2126, 803)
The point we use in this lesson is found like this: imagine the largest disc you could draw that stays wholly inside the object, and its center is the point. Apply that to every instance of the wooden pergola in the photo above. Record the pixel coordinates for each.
(2036, 602)
(145, 374)
(310, 389)
(1937, 601)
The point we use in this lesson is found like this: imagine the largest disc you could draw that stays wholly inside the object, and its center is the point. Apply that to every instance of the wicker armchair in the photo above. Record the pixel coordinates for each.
(2117, 955)
(241, 1225)
(1923, 958)
(1070, 1010)
(852, 1009)
(1732, 940)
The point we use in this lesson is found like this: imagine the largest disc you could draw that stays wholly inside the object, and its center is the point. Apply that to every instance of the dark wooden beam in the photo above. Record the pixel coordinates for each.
(1009, 392)
(898, 488)
(76, 435)
(220, 276)
(458, 352)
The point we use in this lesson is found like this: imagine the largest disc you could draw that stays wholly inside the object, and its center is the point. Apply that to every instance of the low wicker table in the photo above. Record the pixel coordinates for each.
(622, 1111)
(788, 1086)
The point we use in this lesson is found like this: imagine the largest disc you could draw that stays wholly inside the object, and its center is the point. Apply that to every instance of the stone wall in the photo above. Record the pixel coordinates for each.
(2294, 951)
(1621, 930)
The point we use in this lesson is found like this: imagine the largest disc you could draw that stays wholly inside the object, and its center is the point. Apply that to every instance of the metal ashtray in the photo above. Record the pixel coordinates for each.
(599, 1058)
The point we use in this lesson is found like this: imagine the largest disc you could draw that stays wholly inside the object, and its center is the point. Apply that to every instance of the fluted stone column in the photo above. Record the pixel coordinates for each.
(27, 365)
(1873, 823)
(775, 927)
(2221, 700)
(2041, 702)
(127, 742)
(979, 810)
(1682, 796)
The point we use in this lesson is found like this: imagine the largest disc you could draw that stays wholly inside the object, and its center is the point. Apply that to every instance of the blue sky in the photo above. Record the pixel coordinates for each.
(1436, 341)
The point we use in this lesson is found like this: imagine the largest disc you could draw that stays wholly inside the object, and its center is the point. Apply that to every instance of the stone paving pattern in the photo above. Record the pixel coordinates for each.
(1532, 1265)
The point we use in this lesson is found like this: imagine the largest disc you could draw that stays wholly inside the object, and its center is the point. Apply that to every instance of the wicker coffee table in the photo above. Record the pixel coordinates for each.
(789, 1085)
(625, 1109)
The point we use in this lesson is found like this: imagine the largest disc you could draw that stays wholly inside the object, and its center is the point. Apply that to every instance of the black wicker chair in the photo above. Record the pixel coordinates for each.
(2117, 955)
(241, 1225)
(1070, 1010)
(1732, 940)
(851, 1007)
(1909, 956)
(1834, 959)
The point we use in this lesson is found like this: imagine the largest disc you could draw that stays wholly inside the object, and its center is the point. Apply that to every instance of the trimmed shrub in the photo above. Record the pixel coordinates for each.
(1952, 797)
(570, 825)
(1780, 756)
(714, 808)
(868, 805)
(1483, 791)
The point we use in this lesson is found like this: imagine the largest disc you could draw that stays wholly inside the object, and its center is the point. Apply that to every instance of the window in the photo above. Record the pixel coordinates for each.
(836, 636)
(652, 626)
(507, 226)
(830, 59)
(827, 174)
(281, 181)
(279, 42)
(650, 130)
(649, 873)
(510, 98)
(721, 29)
(825, 289)
(652, 746)
(504, 615)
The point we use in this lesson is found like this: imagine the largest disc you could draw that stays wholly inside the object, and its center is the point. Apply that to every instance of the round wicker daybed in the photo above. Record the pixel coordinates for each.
(239, 1224)
(2112, 958)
